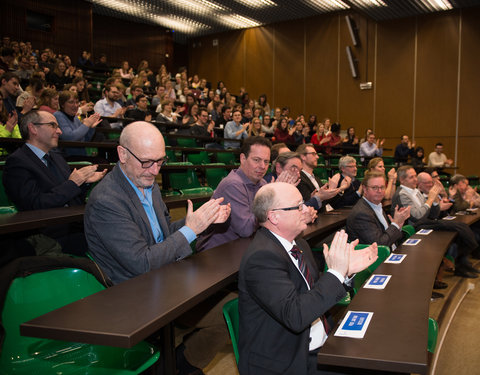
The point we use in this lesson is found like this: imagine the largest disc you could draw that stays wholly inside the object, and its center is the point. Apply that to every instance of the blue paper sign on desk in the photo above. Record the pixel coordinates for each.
(377, 282)
(354, 324)
(412, 241)
(425, 232)
(395, 258)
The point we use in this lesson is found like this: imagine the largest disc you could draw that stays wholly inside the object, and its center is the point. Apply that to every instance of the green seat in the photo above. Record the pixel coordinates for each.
(183, 180)
(113, 135)
(214, 176)
(79, 163)
(198, 159)
(409, 230)
(197, 190)
(321, 173)
(227, 158)
(388, 161)
(39, 293)
(333, 162)
(187, 142)
(321, 160)
(360, 172)
(230, 313)
(432, 335)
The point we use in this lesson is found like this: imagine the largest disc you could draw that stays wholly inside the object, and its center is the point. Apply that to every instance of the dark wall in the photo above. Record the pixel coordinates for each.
(423, 69)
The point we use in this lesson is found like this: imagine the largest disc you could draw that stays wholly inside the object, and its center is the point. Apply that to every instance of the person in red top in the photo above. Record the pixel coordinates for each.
(282, 133)
(333, 139)
(319, 137)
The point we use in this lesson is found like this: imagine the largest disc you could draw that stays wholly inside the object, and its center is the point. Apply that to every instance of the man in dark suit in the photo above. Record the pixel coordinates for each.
(367, 221)
(36, 177)
(310, 186)
(282, 295)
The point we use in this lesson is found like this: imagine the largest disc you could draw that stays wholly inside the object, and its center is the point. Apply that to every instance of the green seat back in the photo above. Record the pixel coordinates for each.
(187, 142)
(227, 158)
(214, 176)
(184, 180)
(432, 335)
(198, 158)
(409, 230)
(321, 173)
(321, 160)
(334, 161)
(360, 172)
(230, 312)
(34, 295)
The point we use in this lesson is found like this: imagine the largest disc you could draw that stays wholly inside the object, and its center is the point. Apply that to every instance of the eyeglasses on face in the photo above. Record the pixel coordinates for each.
(52, 124)
(377, 188)
(297, 207)
(148, 163)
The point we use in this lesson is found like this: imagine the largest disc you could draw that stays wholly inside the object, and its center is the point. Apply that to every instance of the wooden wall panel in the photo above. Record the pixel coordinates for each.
(468, 159)
(322, 66)
(469, 115)
(125, 40)
(232, 60)
(394, 82)
(72, 25)
(289, 70)
(437, 70)
(355, 105)
(208, 66)
(259, 62)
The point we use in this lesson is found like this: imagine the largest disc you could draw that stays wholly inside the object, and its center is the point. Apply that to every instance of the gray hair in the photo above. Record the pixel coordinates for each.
(345, 160)
(402, 171)
(29, 117)
(263, 202)
(457, 178)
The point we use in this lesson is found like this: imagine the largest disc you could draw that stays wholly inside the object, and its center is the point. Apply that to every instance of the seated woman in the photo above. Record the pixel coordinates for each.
(282, 133)
(82, 90)
(376, 164)
(167, 116)
(126, 72)
(58, 76)
(48, 101)
(333, 138)
(31, 95)
(72, 128)
(319, 137)
(418, 160)
(8, 124)
(351, 140)
(256, 128)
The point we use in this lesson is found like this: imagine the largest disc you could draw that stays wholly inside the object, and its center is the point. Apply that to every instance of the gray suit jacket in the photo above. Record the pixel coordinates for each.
(362, 223)
(118, 232)
(276, 308)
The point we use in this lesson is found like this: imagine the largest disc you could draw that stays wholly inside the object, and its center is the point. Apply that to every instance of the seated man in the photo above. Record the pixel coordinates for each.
(235, 130)
(404, 150)
(140, 112)
(371, 148)
(368, 223)
(350, 194)
(109, 107)
(425, 212)
(463, 195)
(310, 185)
(283, 297)
(128, 226)
(36, 177)
(437, 159)
(239, 189)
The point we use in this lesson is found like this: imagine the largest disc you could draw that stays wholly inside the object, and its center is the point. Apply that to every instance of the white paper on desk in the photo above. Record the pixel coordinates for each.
(412, 241)
(329, 208)
(377, 282)
(472, 209)
(395, 258)
(449, 218)
(425, 232)
(354, 324)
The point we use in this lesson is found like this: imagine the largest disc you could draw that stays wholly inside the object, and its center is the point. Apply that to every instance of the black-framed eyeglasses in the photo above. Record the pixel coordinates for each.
(377, 188)
(52, 124)
(297, 207)
(148, 163)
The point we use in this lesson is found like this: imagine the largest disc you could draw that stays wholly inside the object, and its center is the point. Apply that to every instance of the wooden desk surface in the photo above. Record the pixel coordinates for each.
(127, 313)
(396, 339)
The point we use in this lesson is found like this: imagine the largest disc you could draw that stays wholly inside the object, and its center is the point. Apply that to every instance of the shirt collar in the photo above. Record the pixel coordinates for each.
(147, 192)
(374, 206)
(40, 153)
(410, 190)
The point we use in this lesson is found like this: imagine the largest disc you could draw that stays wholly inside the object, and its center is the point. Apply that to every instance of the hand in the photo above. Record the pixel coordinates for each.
(88, 107)
(452, 191)
(345, 183)
(435, 191)
(444, 204)
(97, 176)
(333, 181)
(448, 162)
(92, 121)
(361, 259)
(382, 142)
(288, 177)
(400, 215)
(80, 176)
(210, 127)
(12, 121)
(324, 193)
(309, 214)
(148, 118)
(338, 256)
(392, 175)
(246, 126)
(28, 104)
(210, 212)
(120, 112)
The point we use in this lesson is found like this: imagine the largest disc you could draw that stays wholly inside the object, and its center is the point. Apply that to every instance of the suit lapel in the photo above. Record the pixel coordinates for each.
(370, 209)
(40, 164)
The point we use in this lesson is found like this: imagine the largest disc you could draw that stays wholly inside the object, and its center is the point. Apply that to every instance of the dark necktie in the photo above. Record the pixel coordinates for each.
(302, 265)
(51, 167)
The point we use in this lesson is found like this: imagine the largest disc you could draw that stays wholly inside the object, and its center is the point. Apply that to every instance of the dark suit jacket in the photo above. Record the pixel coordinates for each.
(306, 186)
(119, 234)
(276, 308)
(362, 223)
(349, 196)
(30, 185)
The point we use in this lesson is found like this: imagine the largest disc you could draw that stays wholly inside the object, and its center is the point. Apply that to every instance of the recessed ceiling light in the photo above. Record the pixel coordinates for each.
(327, 5)
(434, 5)
(257, 3)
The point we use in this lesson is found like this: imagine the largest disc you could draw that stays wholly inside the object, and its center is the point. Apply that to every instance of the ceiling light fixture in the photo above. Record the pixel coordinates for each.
(327, 5)
(435, 5)
(257, 3)
(238, 22)
(369, 3)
